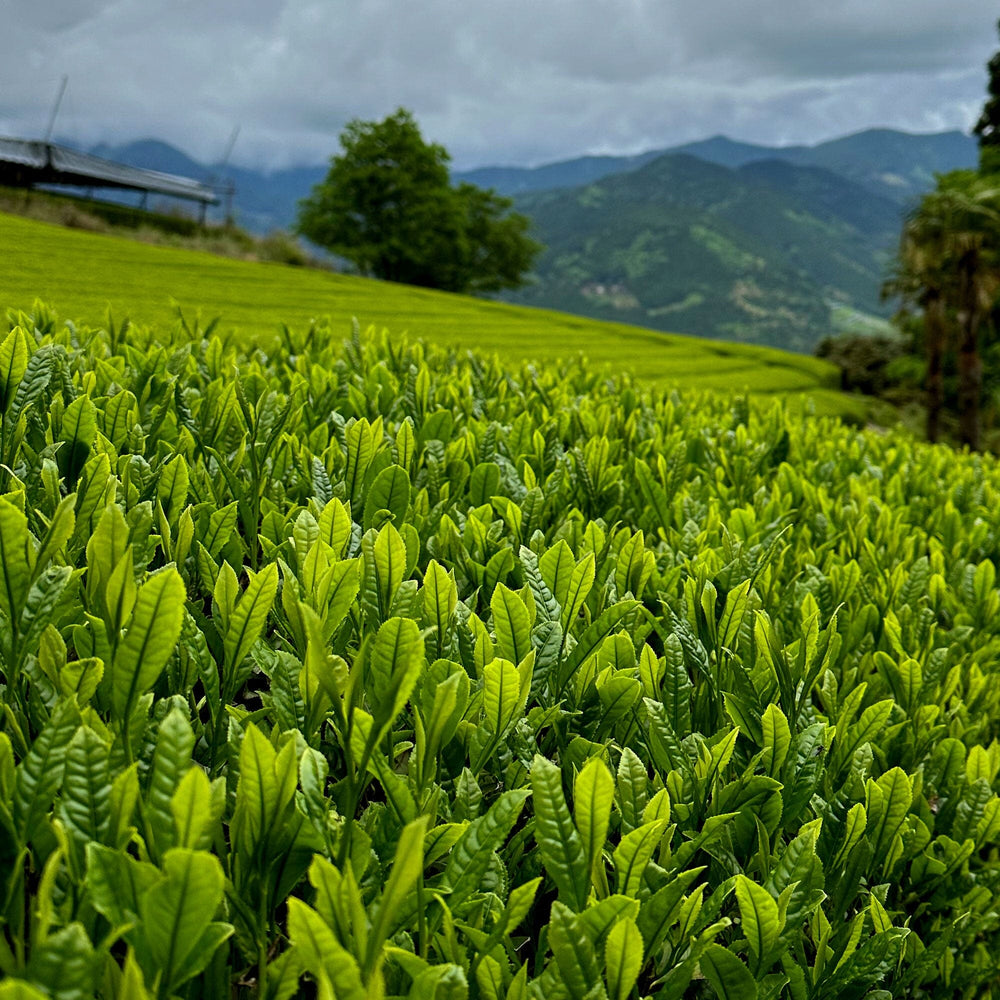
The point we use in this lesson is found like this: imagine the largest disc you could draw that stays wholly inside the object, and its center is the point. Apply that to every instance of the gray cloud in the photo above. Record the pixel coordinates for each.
(518, 81)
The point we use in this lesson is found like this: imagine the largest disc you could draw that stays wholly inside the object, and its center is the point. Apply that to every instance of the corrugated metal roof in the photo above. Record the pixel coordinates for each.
(47, 163)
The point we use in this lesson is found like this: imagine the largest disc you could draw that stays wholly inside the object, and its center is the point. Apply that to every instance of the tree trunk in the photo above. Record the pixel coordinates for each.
(970, 383)
(934, 334)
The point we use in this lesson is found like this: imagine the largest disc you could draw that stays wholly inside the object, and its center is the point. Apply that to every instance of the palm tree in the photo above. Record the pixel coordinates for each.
(919, 280)
(949, 265)
(974, 259)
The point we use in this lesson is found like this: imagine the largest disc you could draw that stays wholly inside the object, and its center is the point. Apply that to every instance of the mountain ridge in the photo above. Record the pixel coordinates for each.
(884, 151)
(268, 198)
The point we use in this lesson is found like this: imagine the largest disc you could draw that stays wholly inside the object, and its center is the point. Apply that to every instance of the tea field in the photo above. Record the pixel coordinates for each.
(81, 274)
(369, 670)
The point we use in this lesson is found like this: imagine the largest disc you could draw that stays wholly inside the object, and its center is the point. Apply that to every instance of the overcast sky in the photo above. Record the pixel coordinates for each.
(495, 81)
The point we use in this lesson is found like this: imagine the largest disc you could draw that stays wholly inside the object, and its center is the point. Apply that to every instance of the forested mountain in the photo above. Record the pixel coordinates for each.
(760, 254)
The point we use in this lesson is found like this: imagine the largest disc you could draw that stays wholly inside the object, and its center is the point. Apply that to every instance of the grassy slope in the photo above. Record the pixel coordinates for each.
(81, 274)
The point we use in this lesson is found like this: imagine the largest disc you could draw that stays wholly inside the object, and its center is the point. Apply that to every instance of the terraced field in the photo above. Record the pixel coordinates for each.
(81, 275)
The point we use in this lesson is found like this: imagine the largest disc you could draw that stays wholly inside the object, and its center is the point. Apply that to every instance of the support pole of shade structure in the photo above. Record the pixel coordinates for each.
(55, 108)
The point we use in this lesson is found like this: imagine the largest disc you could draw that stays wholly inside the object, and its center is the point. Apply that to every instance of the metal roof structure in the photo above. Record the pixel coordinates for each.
(26, 162)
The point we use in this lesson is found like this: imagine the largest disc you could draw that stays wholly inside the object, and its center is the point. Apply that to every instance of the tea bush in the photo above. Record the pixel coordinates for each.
(376, 671)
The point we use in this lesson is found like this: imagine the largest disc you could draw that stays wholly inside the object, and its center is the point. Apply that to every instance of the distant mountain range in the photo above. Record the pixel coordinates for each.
(717, 238)
(895, 164)
(898, 165)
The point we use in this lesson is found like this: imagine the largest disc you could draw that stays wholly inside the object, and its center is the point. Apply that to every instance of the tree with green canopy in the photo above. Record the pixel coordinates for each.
(987, 128)
(388, 205)
(919, 280)
(949, 265)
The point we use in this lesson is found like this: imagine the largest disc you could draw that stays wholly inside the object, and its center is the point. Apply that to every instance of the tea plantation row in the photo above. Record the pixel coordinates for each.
(371, 671)
(83, 274)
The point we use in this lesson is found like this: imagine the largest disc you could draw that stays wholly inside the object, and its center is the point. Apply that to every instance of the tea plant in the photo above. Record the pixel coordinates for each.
(372, 671)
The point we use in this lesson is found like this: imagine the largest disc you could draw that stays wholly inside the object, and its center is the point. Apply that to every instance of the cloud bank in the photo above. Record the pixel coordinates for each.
(524, 81)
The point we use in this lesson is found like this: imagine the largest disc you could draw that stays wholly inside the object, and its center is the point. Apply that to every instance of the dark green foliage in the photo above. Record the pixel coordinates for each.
(388, 206)
(987, 127)
(948, 265)
(864, 362)
(366, 670)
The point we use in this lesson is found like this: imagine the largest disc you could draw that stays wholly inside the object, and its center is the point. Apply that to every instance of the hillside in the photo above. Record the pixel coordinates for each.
(755, 254)
(81, 274)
